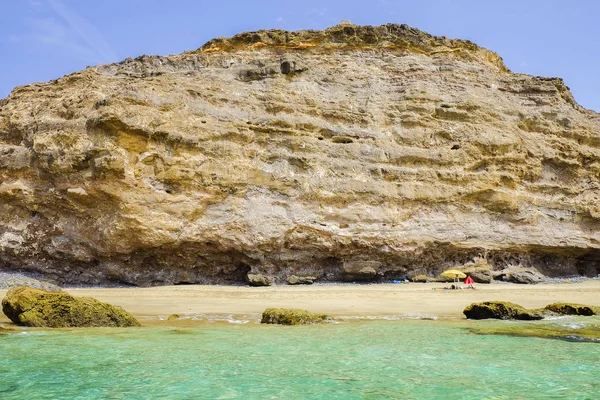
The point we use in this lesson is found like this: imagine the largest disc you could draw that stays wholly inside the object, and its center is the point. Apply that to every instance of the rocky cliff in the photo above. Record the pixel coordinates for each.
(354, 153)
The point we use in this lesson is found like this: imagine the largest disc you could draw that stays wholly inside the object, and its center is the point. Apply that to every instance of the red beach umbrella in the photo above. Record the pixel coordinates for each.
(469, 281)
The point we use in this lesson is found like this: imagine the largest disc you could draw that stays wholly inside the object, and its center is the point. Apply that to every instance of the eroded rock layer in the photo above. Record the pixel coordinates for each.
(354, 153)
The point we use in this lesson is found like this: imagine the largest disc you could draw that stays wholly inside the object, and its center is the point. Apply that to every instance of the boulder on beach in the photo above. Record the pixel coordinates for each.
(422, 278)
(361, 271)
(28, 306)
(291, 316)
(479, 270)
(301, 280)
(258, 280)
(524, 275)
(500, 310)
(572, 309)
(12, 279)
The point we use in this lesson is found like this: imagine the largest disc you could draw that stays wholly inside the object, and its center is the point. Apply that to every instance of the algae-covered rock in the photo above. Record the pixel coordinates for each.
(291, 316)
(258, 280)
(301, 280)
(40, 308)
(174, 317)
(572, 309)
(500, 310)
(571, 333)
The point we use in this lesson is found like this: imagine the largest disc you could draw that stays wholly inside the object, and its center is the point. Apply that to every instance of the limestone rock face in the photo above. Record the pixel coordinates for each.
(282, 153)
(40, 308)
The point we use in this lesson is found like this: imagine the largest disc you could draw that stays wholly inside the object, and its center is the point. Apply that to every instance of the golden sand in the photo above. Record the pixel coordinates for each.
(335, 300)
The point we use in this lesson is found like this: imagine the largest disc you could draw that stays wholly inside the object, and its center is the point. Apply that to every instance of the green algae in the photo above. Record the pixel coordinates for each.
(174, 317)
(291, 316)
(32, 307)
(500, 310)
(572, 309)
(5, 331)
(507, 310)
(569, 333)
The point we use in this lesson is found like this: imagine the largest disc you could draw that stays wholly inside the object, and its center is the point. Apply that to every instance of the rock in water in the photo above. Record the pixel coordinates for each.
(5, 331)
(40, 308)
(285, 152)
(572, 309)
(291, 316)
(174, 317)
(500, 310)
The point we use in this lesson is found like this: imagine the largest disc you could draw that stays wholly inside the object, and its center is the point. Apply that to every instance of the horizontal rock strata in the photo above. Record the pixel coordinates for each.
(350, 154)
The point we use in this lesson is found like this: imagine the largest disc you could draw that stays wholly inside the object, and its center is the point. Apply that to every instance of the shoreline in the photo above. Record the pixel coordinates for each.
(347, 300)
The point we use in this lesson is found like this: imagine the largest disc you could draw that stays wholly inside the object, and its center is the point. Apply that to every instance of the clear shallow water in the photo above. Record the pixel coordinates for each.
(355, 360)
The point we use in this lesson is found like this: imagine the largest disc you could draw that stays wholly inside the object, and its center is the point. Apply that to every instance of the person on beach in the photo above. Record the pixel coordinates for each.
(450, 288)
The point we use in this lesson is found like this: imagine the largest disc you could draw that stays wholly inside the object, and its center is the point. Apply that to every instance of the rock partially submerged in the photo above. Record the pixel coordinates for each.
(572, 309)
(174, 317)
(40, 308)
(500, 310)
(291, 316)
(5, 331)
(506, 310)
(568, 333)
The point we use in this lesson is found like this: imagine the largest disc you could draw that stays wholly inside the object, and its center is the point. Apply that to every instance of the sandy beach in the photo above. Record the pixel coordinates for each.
(335, 300)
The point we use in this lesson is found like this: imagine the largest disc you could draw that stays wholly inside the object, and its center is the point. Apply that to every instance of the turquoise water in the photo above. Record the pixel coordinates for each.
(357, 360)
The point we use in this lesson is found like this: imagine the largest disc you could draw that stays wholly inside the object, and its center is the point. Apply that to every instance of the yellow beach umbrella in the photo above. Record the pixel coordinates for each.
(454, 274)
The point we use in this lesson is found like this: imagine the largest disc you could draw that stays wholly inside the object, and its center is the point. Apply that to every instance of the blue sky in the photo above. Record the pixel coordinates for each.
(45, 39)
